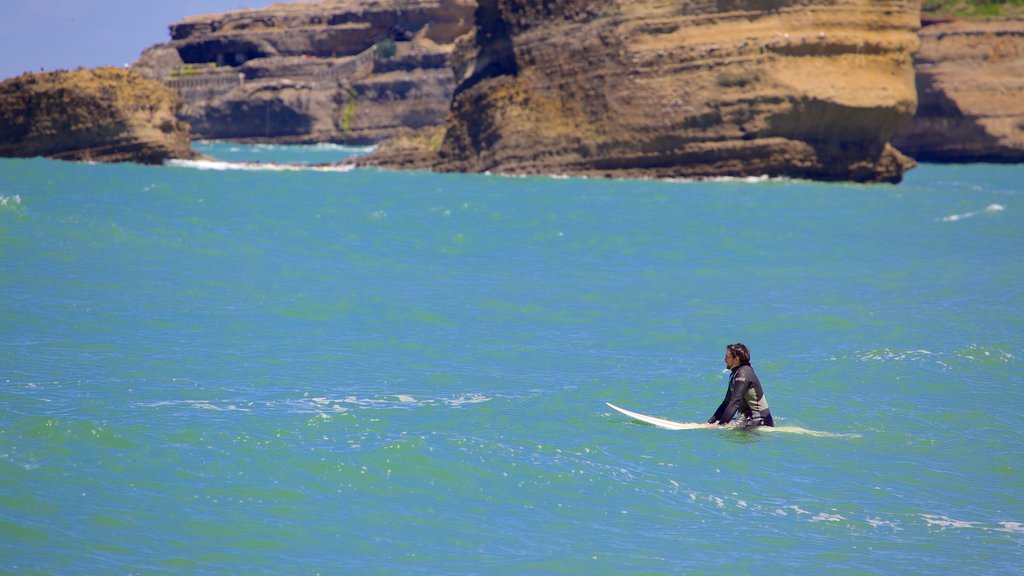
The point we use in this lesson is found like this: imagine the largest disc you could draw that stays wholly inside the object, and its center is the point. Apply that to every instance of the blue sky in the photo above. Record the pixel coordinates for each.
(66, 34)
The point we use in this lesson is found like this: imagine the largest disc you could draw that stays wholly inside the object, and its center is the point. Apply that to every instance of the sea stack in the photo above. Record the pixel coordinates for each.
(689, 89)
(100, 115)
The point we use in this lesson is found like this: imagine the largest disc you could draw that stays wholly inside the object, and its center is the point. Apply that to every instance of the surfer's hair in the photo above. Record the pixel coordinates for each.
(739, 352)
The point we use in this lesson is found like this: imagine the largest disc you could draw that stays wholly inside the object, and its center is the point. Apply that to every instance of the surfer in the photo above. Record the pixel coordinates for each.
(744, 394)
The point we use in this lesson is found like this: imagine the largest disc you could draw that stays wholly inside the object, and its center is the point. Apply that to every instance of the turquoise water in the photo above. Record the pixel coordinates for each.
(367, 372)
(270, 153)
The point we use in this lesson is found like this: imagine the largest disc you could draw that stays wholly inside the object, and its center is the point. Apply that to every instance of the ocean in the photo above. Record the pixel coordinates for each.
(207, 370)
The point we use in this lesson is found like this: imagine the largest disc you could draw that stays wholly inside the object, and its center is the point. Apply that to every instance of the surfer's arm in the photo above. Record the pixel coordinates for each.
(731, 404)
(718, 413)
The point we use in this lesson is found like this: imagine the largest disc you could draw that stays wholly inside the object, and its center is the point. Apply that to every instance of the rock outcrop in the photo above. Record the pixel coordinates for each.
(347, 71)
(685, 89)
(101, 115)
(970, 87)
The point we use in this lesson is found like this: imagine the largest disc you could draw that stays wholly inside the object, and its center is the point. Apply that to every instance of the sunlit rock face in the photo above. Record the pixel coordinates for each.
(810, 89)
(99, 115)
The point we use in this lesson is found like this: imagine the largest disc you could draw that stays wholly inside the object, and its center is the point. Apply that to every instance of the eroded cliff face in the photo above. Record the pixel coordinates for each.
(685, 89)
(970, 84)
(101, 115)
(351, 71)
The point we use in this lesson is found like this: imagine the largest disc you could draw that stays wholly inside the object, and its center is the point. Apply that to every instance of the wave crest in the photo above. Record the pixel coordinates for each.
(990, 209)
(222, 166)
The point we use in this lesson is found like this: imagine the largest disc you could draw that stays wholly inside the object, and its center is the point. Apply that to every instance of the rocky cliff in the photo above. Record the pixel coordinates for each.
(350, 71)
(970, 86)
(102, 115)
(685, 89)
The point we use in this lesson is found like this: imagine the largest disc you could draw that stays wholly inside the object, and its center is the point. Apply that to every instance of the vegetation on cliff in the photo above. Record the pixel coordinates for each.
(972, 9)
(102, 115)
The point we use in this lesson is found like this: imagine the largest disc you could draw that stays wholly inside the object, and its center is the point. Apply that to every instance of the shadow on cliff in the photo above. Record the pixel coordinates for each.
(492, 44)
(941, 132)
(849, 142)
(243, 119)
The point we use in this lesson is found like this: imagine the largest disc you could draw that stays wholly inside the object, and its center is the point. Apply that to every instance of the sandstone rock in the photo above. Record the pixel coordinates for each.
(102, 115)
(970, 85)
(311, 72)
(407, 150)
(687, 89)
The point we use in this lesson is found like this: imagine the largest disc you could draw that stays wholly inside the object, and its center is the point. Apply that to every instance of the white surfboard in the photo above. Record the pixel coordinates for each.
(659, 422)
(672, 425)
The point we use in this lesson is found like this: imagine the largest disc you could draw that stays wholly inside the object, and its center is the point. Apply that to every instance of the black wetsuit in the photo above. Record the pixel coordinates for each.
(745, 396)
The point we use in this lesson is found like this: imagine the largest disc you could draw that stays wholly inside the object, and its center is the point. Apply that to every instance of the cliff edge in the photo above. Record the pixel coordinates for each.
(697, 88)
(101, 115)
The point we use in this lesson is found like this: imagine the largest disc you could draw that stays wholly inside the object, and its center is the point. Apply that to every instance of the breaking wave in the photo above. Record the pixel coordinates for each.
(220, 165)
(326, 405)
(990, 209)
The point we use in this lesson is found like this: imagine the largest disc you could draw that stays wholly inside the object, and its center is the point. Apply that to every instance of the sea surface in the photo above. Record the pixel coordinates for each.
(207, 370)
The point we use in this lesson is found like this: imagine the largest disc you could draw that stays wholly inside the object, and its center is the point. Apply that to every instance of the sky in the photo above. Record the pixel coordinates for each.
(67, 34)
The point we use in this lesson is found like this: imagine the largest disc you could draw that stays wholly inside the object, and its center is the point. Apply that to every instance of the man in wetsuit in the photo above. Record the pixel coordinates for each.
(745, 394)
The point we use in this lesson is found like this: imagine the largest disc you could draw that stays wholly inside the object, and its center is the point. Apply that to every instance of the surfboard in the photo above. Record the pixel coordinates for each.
(673, 425)
(659, 422)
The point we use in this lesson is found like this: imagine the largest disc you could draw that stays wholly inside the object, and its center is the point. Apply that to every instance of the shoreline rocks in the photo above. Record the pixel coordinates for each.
(99, 115)
(825, 91)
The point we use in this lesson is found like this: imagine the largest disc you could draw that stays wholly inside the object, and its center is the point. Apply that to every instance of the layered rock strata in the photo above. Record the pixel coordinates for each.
(685, 89)
(101, 115)
(342, 71)
(970, 86)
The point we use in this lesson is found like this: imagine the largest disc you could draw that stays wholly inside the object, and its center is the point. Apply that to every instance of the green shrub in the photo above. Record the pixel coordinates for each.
(348, 113)
(973, 8)
(385, 49)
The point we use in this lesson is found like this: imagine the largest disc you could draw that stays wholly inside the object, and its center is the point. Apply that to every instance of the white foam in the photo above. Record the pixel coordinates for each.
(231, 408)
(879, 523)
(467, 399)
(200, 404)
(10, 200)
(325, 405)
(725, 179)
(947, 522)
(972, 353)
(1016, 527)
(391, 401)
(991, 208)
(823, 517)
(221, 166)
(345, 148)
(887, 354)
